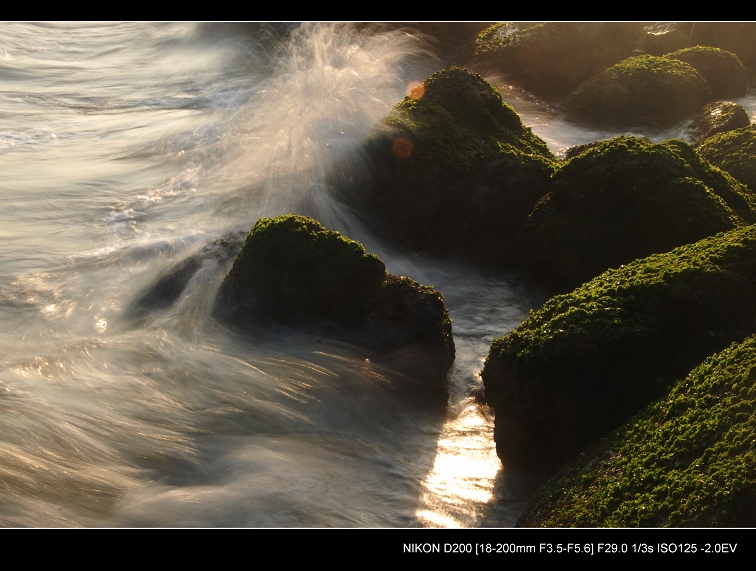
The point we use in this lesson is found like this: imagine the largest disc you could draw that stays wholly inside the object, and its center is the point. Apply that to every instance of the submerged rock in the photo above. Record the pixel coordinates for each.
(688, 460)
(586, 361)
(169, 287)
(452, 170)
(294, 273)
(641, 91)
(623, 199)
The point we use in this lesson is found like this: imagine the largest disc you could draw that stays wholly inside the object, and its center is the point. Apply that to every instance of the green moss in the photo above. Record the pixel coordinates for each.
(586, 361)
(460, 119)
(723, 71)
(688, 460)
(624, 199)
(648, 67)
(734, 152)
(503, 34)
(293, 272)
(453, 155)
(640, 91)
(292, 269)
(736, 37)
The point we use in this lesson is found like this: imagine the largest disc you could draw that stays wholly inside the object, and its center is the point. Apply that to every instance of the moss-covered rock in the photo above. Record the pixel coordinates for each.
(410, 321)
(586, 361)
(579, 149)
(736, 37)
(718, 117)
(453, 171)
(641, 91)
(688, 460)
(734, 152)
(623, 199)
(293, 272)
(723, 71)
(550, 59)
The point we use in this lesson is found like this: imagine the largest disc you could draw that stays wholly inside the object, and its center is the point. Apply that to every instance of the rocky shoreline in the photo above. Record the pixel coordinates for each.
(633, 387)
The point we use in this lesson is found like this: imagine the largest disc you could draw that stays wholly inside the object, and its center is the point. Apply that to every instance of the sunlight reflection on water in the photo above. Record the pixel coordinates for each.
(460, 484)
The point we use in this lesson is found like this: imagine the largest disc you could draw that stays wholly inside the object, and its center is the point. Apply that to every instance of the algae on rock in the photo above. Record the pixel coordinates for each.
(641, 91)
(623, 199)
(452, 170)
(294, 273)
(550, 59)
(722, 70)
(586, 361)
(688, 460)
(733, 152)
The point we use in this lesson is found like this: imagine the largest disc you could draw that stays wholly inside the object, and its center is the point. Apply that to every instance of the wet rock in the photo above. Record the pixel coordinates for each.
(293, 273)
(662, 38)
(164, 293)
(736, 37)
(451, 171)
(585, 362)
(722, 70)
(623, 199)
(641, 91)
(718, 117)
(686, 461)
(735, 152)
(551, 59)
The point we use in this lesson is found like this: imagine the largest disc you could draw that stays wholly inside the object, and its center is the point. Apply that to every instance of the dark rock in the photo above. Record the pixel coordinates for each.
(736, 37)
(688, 460)
(585, 362)
(662, 38)
(550, 59)
(642, 91)
(450, 155)
(723, 71)
(624, 199)
(293, 273)
(718, 117)
(734, 152)
(164, 293)
(410, 322)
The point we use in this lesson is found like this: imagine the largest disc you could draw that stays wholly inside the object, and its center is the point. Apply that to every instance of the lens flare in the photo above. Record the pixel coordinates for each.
(403, 147)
